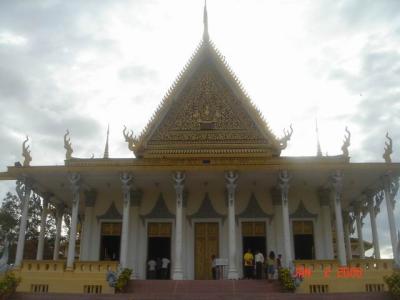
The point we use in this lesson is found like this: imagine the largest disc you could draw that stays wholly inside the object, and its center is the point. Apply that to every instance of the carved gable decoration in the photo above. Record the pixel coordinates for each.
(112, 213)
(159, 211)
(206, 114)
(206, 210)
(302, 213)
(254, 210)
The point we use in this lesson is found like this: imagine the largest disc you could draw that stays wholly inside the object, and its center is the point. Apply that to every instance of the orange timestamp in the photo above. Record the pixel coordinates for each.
(341, 272)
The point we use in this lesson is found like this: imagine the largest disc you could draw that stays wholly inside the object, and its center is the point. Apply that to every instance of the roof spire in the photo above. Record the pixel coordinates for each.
(205, 23)
(106, 147)
(319, 151)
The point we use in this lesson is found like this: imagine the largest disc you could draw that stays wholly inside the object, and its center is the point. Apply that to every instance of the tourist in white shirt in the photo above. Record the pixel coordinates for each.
(164, 267)
(151, 269)
(259, 259)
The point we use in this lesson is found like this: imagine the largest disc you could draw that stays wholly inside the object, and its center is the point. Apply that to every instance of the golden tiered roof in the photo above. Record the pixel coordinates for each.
(207, 113)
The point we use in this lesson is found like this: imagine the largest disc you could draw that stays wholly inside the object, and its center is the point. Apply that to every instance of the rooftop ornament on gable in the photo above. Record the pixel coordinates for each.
(26, 153)
(388, 149)
(287, 135)
(130, 139)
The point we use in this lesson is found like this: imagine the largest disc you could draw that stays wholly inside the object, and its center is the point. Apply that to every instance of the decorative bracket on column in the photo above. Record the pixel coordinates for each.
(179, 184)
(283, 182)
(231, 178)
(337, 184)
(75, 180)
(126, 179)
(391, 184)
(24, 187)
(370, 197)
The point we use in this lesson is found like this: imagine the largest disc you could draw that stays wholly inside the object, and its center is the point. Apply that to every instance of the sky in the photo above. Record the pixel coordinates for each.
(83, 65)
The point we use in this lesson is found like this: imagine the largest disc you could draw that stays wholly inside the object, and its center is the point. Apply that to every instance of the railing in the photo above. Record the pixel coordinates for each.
(53, 276)
(95, 266)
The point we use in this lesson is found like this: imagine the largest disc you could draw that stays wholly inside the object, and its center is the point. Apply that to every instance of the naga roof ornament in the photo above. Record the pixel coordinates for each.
(67, 146)
(346, 143)
(388, 149)
(26, 153)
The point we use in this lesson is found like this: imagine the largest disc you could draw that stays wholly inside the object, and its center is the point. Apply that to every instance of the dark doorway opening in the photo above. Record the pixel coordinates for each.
(304, 246)
(254, 243)
(157, 249)
(303, 238)
(110, 247)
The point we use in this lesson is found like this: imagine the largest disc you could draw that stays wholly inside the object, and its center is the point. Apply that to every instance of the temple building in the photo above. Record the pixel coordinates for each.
(207, 177)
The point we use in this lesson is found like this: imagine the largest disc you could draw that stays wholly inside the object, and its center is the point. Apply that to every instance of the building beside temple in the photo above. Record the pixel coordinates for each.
(207, 178)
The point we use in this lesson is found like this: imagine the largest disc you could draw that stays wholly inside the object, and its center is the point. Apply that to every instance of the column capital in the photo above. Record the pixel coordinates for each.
(75, 180)
(231, 178)
(283, 183)
(324, 196)
(90, 197)
(179, 181)
(24, 186)
(337, 184)
(127, 181)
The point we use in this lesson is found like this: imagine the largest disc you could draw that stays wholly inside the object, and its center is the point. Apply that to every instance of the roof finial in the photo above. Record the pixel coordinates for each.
(106, 147)
(319, 151)
(205, 22)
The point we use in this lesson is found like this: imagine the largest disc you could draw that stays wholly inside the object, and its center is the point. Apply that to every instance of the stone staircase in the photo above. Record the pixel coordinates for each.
(203, 290)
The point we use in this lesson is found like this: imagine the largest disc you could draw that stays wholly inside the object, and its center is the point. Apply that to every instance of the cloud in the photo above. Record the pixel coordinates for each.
(137, 73)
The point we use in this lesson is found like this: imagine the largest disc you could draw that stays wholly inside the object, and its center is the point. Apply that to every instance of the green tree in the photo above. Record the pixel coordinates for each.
(10, 214)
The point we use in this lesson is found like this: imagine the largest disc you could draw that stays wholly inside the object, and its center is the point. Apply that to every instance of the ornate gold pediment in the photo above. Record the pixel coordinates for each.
(207, 114)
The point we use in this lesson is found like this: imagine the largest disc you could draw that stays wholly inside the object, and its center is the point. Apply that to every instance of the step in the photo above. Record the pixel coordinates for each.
(209, 296)
(172, 287)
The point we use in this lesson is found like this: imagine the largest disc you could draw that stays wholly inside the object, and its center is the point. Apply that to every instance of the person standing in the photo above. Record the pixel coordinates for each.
(271, 265)
(164, 267)
(151, 269)
(214, 266)
(248, 264)
(259, 259)
(279, 261)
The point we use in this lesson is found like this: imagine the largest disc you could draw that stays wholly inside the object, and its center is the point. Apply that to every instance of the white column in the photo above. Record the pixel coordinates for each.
(24, 188)
(347, 223)
(372, 215)
(284, 179)
(75, 187)
(87, 232)
(337, 185)
(177, 271)
(43, 221)
(391, 185)
(59, 216)
(358, 212)
(324, 198)
(277, 203)
(126, 180)
(231, 178)
(136, 198)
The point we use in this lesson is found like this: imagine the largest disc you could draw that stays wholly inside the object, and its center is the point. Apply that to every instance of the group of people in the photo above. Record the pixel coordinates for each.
(158, 268)
(255, 264)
